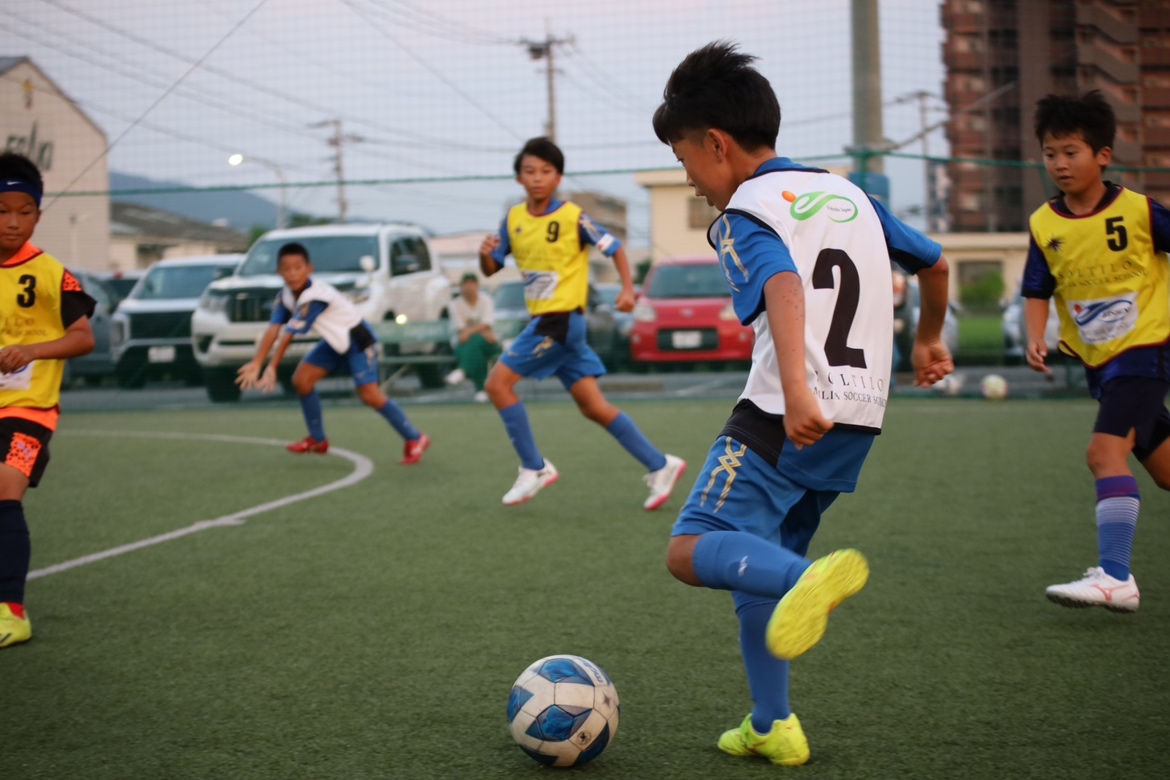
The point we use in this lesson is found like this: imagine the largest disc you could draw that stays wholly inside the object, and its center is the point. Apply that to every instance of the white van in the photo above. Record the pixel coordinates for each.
(387, 270)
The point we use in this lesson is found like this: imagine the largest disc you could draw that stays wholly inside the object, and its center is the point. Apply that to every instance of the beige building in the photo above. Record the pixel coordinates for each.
(679, 221)
(141, 236)
(38, 120)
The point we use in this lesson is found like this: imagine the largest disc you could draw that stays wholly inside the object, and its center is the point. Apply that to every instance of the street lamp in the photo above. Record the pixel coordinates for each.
(239, 159)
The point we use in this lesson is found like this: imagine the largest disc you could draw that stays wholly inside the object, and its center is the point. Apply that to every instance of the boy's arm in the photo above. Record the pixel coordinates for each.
(249, 373)
(784, 300)
(1035, 322)
(931, 358)
(78, 340)
(268, 380)
(626, 298)
(494, 249)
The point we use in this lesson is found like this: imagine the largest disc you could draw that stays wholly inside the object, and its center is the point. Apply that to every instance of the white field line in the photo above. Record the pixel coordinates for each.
(700, 387)
(363, 467)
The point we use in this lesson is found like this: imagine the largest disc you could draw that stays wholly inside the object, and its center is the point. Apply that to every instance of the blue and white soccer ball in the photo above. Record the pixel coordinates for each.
(563, 710)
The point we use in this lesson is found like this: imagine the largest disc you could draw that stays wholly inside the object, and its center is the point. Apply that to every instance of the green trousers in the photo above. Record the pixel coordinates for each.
(473, 356)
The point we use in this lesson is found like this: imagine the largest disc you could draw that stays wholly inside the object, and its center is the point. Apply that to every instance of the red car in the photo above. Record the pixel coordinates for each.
(685, 315)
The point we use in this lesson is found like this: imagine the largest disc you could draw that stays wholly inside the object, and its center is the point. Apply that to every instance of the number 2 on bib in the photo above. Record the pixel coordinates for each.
(837, 349)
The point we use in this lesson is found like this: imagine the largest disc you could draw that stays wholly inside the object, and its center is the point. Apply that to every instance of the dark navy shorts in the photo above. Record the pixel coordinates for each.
(554, 344)
(1135, 403)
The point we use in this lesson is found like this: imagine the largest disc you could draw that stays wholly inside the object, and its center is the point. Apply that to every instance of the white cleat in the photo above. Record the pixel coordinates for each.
(662, 482)
(456, 376)
(1097, 589)
(480, 397)
(530, 482)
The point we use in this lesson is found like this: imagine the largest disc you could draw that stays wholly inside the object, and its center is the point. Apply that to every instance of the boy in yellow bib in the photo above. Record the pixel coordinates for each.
(549, 240)
(1100, 249)
(45, 320)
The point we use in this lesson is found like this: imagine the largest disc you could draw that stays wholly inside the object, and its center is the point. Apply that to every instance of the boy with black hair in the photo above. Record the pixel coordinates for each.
(550, 240)
(1100, 249)
(807, 259)
(346, 341)
(45, 321)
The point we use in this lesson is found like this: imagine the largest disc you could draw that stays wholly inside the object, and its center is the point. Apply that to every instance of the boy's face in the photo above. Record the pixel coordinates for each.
(469, 289)
(1072, 164)
(703, 158)
(18, 219)
(538, 177)
(295, 270)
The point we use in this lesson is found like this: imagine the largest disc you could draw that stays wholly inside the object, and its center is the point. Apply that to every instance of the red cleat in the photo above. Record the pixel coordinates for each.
(413, 451)
(308, 444)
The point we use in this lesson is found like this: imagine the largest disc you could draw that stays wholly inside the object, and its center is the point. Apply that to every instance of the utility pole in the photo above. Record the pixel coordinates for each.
(338, 141)
(543, 50)
(867, 88)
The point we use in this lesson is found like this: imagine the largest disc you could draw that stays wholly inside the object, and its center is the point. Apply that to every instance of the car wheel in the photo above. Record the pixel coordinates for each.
(221, 385)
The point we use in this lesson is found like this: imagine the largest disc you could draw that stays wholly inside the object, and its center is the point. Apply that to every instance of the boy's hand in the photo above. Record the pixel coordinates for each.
(248, 375)
(803, 421)
(931, 361)
(488, 246)
(625, 300)
(14, 358)
(1036, 354)
(267, 381)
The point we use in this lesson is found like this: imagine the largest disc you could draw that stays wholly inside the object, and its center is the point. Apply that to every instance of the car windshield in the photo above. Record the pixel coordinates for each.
(329, 254)
(688, 281)
(122, 285)
(509, 296)
(178, 281)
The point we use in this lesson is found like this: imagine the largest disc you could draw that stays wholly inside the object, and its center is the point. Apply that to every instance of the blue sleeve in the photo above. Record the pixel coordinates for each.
(505, 246)
(304, 324)
(908, 248)
(1038, 279)
(751, 253)
(280, 313)
(594, 234)
(1160, 225)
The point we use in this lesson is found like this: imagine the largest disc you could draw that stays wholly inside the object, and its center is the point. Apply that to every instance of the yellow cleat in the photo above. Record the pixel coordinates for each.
(785, 744)
(15, 626)
(801, 617)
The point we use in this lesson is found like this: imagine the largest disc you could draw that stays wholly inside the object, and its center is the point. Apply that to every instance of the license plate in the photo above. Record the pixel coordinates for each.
(164, 354)
(686, 339)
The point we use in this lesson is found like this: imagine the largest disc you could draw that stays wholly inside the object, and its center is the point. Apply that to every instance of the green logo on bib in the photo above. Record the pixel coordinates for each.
(837, 207)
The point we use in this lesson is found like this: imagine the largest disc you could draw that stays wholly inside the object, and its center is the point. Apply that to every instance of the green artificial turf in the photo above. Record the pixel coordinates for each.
(375, 632)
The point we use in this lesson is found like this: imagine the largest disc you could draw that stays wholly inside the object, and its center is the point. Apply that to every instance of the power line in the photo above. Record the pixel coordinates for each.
(161, 98)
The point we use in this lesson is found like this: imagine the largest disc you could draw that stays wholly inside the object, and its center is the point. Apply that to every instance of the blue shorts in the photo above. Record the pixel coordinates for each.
(554, 344)
(362, 363)
(737, 490)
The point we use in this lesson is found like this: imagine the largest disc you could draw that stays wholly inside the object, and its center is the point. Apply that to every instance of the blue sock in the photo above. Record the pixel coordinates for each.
(311, 408)
(623, 429)
(15, 552)
(515, 419)
(1118, 501)
(739, 561)
(397, 418)
(767, 675)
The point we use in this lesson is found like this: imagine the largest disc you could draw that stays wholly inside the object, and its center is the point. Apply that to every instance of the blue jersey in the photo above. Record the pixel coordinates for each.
(789, 218)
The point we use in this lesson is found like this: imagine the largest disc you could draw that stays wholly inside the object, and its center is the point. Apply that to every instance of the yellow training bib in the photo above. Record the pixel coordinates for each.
(30, 313)
(551, 258)
(1112, 287)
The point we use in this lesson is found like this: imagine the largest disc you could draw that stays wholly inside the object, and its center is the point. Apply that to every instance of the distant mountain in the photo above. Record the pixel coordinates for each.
(242, 210)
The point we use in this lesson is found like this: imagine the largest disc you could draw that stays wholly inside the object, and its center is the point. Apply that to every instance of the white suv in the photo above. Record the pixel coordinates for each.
(387, 270)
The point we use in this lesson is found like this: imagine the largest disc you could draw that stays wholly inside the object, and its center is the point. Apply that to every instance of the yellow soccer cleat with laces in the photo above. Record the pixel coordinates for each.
(785, 744)
(15, 627)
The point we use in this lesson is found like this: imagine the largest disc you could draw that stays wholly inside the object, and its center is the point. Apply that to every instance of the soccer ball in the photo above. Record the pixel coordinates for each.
(948, 385)
(563, 710)
(994, 387)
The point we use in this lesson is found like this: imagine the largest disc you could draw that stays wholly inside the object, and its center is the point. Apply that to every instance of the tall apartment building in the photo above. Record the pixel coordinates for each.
(1002, 56)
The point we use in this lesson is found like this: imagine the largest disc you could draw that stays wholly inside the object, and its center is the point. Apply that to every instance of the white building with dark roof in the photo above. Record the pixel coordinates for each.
(141, 235)
(39, 121)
